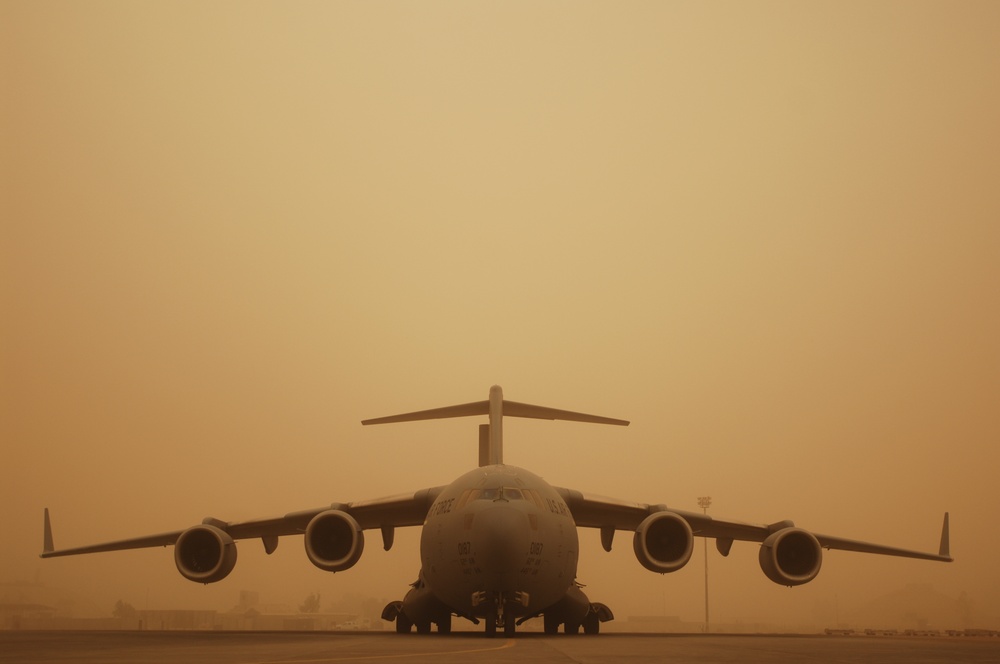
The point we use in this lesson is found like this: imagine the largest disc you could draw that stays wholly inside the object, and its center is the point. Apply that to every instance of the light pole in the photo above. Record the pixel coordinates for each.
(704, 502)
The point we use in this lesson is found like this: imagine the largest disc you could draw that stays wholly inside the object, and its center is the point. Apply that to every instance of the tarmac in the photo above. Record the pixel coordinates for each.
(40, 647)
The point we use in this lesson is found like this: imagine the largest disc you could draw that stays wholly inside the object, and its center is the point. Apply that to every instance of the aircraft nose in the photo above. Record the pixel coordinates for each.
(501, 538)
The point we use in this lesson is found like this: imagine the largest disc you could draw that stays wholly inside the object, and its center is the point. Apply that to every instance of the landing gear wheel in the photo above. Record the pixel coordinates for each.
(424, 628)
(508, 627)
(491, 626)
(572, 628)
(403, 624)
(444, 625)
(591, 624)
(551, 624)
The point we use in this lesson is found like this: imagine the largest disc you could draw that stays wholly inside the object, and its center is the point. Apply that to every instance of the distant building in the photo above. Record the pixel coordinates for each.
(15, 615)
(177, 619)
(651, 624)
(917, 606)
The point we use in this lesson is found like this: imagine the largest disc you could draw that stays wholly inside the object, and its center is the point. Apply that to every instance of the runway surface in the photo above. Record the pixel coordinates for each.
(332, 647)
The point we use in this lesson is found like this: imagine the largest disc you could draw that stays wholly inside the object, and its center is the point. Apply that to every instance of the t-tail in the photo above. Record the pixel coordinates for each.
(491, 435)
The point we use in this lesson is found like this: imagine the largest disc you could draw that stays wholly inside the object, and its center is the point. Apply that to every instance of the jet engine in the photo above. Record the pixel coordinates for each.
(791, 556)
(334, 541)
(205, 554)
(663, 542)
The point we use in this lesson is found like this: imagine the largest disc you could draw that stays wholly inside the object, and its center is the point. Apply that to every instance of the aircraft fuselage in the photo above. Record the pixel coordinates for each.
(499, 538)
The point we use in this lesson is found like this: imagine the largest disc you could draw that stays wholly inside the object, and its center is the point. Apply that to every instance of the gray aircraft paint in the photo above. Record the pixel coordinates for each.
(499, 544)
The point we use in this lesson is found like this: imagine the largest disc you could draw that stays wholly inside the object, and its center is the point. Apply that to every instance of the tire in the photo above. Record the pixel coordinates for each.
(508, 627)
(491, 626)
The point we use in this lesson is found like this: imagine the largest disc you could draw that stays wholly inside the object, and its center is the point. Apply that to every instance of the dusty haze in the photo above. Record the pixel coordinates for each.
(766, 233)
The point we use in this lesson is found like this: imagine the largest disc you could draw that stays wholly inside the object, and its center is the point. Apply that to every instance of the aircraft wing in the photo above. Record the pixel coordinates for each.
(383, 513)
(610, 514)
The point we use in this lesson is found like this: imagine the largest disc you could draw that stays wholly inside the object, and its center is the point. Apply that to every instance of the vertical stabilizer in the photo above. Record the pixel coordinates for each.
(496, 425)
(484, 445)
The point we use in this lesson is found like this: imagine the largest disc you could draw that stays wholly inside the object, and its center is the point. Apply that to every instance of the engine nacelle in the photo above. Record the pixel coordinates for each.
(663, 542)
(791, 557)
(334, 541)
(205, 554)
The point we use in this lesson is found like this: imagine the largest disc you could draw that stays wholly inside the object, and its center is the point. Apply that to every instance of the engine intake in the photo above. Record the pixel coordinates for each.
(791, 557)
(334, 541)
(205, 554)
(663, 542)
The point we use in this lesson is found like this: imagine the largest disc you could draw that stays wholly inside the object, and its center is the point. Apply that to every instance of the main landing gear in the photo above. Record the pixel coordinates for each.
(590, 622)
(588, 618)
(393, 611)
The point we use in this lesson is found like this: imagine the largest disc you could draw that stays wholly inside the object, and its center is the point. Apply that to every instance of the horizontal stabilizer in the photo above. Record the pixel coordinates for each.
(514, 409)
(464, 410)
(510, 409)
(491, 445)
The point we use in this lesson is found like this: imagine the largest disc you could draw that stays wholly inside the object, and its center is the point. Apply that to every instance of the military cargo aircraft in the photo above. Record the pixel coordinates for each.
(499, 544)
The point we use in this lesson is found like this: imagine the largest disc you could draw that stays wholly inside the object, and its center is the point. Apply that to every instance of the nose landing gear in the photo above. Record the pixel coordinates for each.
(502, 614)
(496, 620)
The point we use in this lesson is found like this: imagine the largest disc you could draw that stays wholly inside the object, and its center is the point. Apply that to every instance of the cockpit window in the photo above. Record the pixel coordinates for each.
(464, 499)
(501, 493)
(535, 497)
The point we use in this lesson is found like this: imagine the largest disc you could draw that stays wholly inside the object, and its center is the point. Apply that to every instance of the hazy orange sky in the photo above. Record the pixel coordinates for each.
(766, 233)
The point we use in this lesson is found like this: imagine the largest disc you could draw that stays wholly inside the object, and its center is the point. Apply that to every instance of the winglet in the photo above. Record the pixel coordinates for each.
(945, 550)
(47, 546)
